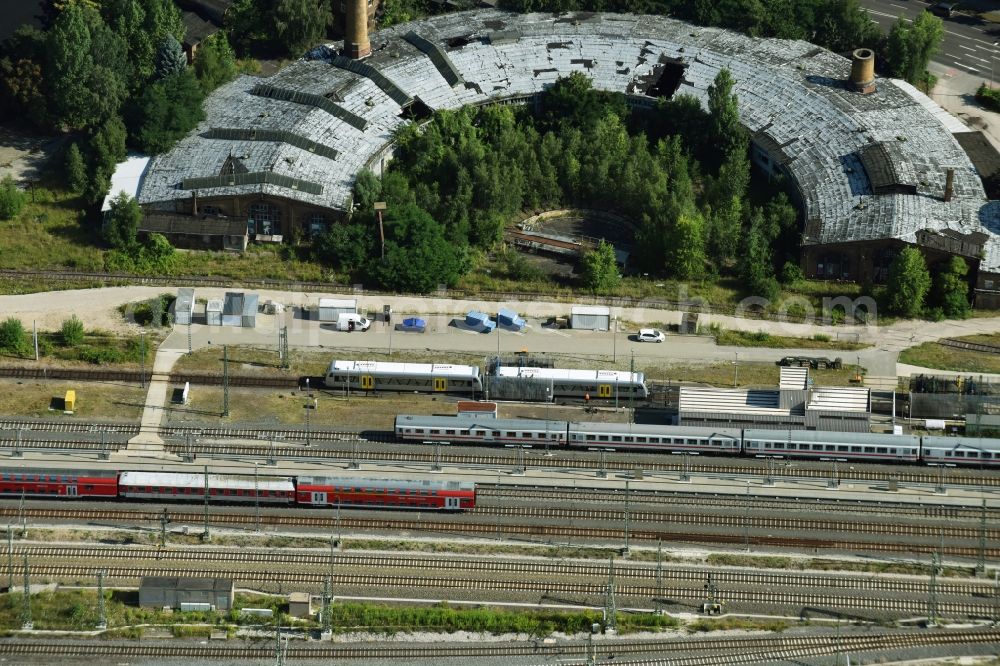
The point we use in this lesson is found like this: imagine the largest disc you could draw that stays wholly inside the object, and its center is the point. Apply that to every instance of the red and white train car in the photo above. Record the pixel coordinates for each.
(221, 487)
(58, 483)
(385, 493)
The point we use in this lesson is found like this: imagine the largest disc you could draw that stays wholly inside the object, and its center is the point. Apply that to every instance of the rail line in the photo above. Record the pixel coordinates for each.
(544, 587)
(494, 530)
(856, 582)
(747, 649)
(132, 376)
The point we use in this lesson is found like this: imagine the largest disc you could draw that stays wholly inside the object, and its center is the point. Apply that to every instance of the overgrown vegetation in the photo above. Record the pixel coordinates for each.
(73, 343)
(764, 339)
(989, 97)
(942, 357)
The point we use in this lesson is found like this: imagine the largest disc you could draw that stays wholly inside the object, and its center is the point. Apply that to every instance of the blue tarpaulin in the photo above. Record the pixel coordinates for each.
(510, 319)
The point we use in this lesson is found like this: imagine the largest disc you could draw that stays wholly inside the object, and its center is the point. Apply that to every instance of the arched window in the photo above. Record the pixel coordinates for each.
(263, 218)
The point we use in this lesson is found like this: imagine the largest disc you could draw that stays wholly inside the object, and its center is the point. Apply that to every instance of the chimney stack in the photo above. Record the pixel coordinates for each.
(356, 42)
(863, 71)
(194, 203)
(949, 185)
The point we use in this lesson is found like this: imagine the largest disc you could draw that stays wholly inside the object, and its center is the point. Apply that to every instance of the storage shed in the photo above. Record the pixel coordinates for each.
(213, 312)
(239, 309)
(173, 592)
(184, 306)
(300, 604)
(590, 317)
(330, 309)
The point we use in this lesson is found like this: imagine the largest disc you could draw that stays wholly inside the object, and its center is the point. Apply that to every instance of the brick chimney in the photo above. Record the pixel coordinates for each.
(356, 43)
(949, 184)
(863, 71)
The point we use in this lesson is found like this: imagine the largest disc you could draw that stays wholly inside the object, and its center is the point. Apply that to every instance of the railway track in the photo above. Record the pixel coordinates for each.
(691, 652)
(137, 377)
(546, 588)
(970, 346)
(493, 530)
(625, 571)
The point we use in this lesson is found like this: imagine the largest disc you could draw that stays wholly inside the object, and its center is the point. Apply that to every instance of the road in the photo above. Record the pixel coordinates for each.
(969, 42)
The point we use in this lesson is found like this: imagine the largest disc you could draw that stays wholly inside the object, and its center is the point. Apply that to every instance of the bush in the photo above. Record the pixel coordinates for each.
(988, 97)
(791, 273)
(72, 331)
(13, 338)
(12, 199)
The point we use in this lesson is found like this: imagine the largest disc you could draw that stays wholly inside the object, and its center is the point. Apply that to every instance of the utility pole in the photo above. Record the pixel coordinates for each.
(279, 654)
(256, 496)
(932, 591)
(24, 518)
(283, 347)
(225, 380)
(206, 535)
(340, 535)
(10, 556)
(163, 529)
(659, 576)
(981, 561)
(34, 335)
(736, 369)
(26, 623)
(327, 593)
(711, 592)
(610, 607)
(102, 620)
(142, 358)
(190, 344)
(746, 522)
(625, 550)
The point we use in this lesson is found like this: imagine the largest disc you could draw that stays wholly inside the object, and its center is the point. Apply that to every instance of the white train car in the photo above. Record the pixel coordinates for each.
(524, 432)
(816, 444)
(717, 441)
(567, 383)
(422, 377)
(190, 487)
(978, 451)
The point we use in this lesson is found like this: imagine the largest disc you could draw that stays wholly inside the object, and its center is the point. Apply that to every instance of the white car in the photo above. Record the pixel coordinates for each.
(650, 335)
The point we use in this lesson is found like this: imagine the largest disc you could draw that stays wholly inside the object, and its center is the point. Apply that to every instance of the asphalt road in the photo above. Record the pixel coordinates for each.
(968, 43)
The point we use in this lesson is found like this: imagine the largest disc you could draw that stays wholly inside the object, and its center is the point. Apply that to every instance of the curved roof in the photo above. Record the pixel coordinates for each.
(328, 118)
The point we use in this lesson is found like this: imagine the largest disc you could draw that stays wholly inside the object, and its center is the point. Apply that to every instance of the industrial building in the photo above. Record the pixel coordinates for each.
(186, 593)
(875, 163)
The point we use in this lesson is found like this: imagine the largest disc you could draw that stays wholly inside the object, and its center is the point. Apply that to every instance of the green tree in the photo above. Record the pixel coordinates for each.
(12, 199)
(156, 255)
(107, 148)
(757, 267)
(951, 289)
(215, 62)
(170, 58)
(346, 247)
(908, 284)
(910, 45)
(85, 60)
(122, 225)
(418, 257)
(727, 134)
(367, 190)
(143, 25)
(71, 332)
(686, 248)
(599, 268)
(300, 24)
(75, 169)
(13, 338)
(167, 110)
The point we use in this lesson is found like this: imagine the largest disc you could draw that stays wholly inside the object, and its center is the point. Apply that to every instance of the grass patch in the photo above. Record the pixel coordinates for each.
(812, 564)
(21, 397)
(762, 339)
(941, 357)
(748, 374)
(704, 625)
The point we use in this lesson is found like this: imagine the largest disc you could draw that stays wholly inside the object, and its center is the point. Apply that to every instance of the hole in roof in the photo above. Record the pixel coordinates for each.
(666, 83)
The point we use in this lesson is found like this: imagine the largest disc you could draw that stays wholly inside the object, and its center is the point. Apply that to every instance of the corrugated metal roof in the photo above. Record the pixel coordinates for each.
(731, 401)
(599, 376)
(590, 310)
(338, 303)
(793, 379)
(839, 399)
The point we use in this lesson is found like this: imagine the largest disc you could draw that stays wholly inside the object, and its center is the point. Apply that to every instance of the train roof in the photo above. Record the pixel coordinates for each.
(570, 374)
(645, 429)
(973, 443)
(193, 480)
(826, 437)
(413, 369)
(470, 423)
(37, 471)
(355, 482)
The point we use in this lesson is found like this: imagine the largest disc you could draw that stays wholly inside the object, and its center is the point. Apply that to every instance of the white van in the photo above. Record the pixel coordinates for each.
(352, 321)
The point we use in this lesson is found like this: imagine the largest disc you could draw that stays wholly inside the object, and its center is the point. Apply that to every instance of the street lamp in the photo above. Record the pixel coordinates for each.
(993, 55)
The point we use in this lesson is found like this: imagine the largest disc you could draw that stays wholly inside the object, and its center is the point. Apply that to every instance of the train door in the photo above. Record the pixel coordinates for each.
(451, 503)
(367, 383)
(318, 498)
(71, 491)
(440, 384)
(604, 390)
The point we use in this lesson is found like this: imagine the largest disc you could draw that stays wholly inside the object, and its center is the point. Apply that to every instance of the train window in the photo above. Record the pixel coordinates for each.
(973, 454)
(855, 449)
(496, 433)
(987, 454)
(451, 432)
(616, 438)
(602, 438)
(880, 449)
(691, 442)
(959, 454)
(88, 487)
(841, 447)
(591, 438)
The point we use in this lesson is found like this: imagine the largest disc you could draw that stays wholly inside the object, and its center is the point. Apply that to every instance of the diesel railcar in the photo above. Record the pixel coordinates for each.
(566, 383)
(414, 377)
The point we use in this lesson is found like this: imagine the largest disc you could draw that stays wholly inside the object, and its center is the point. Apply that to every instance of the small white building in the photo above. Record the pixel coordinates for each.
(590, 317)
(213, 312)
(184, 306)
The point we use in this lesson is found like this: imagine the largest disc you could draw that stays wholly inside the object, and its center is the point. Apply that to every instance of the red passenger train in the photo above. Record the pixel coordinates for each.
(240, 488)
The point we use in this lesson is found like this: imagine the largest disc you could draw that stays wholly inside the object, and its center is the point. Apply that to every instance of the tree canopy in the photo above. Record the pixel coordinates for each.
(418, 257)
(599, 268)
(909, 282)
